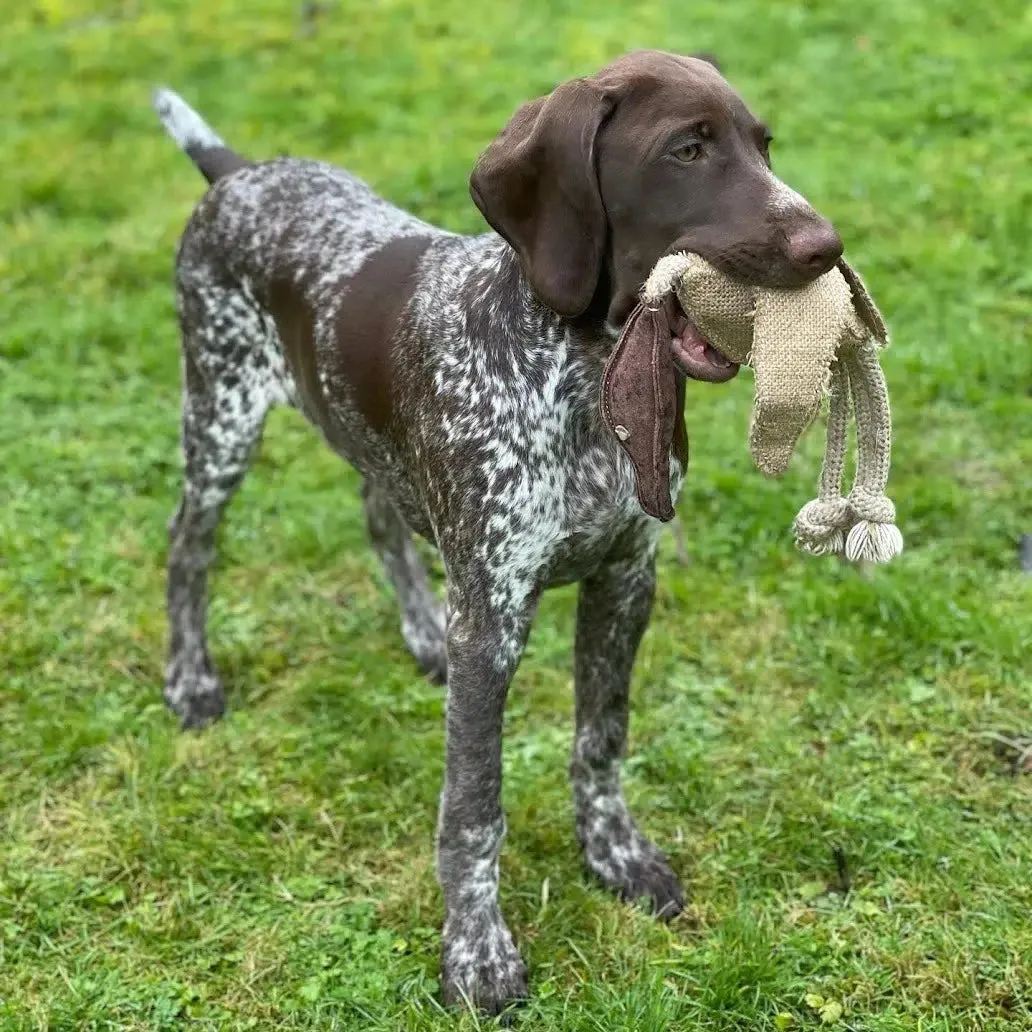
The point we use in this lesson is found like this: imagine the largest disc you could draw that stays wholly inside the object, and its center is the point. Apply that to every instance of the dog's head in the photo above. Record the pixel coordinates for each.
(654, 154)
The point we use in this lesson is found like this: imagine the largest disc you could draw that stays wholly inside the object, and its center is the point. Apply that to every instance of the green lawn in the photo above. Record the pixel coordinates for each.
(276, 871)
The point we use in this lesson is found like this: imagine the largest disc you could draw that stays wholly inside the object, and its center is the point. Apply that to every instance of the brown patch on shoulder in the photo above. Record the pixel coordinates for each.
(296, 327)
(376, 299)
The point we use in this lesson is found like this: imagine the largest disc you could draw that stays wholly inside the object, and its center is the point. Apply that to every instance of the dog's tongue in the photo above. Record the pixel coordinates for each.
(699, 360)
(694, 355)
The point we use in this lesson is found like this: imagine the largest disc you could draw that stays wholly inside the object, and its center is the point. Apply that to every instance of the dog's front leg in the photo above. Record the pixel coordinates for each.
(480, 964)
(612, 612)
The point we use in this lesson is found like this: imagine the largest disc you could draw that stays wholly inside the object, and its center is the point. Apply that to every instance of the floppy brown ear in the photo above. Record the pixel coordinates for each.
(536, 185)
(710, 59)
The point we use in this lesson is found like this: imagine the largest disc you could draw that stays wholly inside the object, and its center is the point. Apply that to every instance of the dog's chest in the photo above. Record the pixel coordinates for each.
(558, 492)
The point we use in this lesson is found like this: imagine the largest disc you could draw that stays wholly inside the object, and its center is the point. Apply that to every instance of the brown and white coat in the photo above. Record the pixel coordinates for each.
(460, 376)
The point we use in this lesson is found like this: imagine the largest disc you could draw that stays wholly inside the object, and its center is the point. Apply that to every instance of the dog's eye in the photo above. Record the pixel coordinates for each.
(687, 151)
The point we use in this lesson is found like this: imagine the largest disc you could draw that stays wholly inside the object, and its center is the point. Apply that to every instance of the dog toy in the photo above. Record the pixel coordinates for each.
(821, 339)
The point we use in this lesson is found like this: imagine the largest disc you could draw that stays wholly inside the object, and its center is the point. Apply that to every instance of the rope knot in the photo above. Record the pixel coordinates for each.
(821, 525)
(874, 537)
(871, 506)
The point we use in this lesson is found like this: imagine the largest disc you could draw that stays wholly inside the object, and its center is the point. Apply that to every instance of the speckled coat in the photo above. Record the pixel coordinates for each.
(460, 376)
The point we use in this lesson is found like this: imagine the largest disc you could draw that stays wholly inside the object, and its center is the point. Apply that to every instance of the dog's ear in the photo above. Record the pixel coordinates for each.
(710, 59)
(537, 186)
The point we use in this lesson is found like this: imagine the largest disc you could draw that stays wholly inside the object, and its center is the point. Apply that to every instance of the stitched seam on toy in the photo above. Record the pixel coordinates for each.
(657, 430)
(607, 414)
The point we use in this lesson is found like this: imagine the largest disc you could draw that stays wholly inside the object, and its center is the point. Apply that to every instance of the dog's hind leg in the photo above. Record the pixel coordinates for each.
(232, 374)
(422, 613)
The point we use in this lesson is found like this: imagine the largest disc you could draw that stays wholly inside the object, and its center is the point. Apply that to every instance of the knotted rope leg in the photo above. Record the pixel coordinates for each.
(821, 526)
(874, 536)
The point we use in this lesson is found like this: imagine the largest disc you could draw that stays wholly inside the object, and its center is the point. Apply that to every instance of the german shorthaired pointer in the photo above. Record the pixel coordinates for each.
(460, 376)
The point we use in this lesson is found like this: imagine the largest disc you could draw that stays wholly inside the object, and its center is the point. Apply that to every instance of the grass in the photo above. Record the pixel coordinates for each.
(789, 716)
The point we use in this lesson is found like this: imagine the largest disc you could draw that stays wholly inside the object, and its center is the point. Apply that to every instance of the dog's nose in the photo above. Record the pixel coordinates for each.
(816, 247)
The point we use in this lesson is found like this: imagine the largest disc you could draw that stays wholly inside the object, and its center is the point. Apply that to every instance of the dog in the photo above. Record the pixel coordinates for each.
(460, 376)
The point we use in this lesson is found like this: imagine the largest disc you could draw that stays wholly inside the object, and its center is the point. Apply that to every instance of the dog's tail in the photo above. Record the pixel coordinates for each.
(193, 135)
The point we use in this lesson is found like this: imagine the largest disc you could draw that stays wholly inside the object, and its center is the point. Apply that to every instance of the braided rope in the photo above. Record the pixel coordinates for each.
(665, 273)
(874, 536)
(821, 526)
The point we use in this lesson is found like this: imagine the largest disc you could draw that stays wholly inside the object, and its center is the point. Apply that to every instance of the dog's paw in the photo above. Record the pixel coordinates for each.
(480, 965)
(631, 866)
(195, 696)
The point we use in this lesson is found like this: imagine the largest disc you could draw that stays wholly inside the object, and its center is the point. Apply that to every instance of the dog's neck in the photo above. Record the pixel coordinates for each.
(588, 338)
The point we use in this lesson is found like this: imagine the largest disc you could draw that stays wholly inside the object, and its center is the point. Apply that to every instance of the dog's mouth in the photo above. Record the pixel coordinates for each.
(693, 354)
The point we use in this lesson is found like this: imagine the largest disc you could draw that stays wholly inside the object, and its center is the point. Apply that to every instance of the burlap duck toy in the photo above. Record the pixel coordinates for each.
(802, 344)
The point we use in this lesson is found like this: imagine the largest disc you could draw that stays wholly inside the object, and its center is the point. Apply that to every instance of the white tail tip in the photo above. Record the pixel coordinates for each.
(182, 123)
